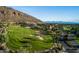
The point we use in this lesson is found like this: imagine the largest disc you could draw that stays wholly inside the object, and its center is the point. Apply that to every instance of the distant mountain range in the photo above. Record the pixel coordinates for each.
(61, 22)
(8, 14)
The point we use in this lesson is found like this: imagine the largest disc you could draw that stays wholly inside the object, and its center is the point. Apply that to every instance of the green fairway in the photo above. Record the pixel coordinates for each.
(77, 39)
(24, 39)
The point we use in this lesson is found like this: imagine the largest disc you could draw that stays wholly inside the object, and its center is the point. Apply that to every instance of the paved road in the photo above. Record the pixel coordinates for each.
(72, 48)
(68, 48)
(2, 51)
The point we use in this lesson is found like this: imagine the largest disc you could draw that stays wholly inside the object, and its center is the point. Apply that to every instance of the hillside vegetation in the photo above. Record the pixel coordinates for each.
(23, 39)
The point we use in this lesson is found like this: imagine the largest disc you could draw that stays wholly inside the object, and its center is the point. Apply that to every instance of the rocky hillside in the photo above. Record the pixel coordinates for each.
(8, 14)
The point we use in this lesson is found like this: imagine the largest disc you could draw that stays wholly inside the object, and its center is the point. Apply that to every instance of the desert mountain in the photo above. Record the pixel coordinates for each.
(8, 14)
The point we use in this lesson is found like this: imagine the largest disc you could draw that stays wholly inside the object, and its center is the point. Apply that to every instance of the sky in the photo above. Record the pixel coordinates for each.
(51, 13)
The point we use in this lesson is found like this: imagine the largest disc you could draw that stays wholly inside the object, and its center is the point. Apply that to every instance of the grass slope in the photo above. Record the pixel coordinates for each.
(20, 39)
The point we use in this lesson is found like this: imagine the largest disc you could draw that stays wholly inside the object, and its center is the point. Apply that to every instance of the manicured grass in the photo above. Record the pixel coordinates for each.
(20, 39)
(77, 39)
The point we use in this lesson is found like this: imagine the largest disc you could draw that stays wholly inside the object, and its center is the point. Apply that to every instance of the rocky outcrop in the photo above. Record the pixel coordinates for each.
(10, 15)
